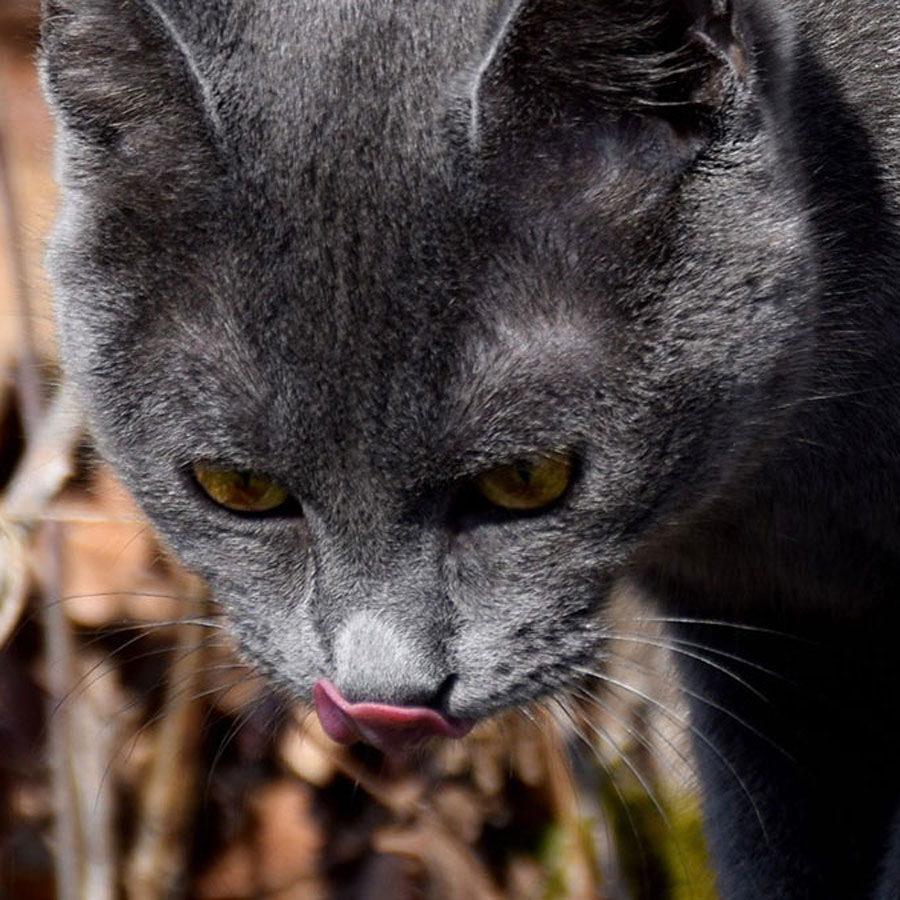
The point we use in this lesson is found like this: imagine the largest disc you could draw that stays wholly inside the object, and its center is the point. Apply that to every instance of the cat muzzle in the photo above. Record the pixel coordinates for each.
(389, 728)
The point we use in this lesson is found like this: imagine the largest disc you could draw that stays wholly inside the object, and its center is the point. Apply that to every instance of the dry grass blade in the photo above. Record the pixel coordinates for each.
(47, 463)
(580, 870)
(42, 472)
(81, 752)
(447, 861)
(158, 861)
(60, 678)
(13, 580)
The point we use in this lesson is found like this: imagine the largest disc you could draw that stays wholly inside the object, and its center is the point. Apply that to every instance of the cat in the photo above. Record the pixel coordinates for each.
(416, 327)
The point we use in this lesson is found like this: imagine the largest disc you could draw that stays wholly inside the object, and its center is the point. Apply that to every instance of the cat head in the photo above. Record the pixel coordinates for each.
(403, 262)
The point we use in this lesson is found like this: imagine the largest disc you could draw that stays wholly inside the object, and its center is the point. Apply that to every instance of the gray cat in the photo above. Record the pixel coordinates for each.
(415, 325)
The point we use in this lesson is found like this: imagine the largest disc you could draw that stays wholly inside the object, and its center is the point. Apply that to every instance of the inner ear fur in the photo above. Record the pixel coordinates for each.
(553, 62)
(122, 83)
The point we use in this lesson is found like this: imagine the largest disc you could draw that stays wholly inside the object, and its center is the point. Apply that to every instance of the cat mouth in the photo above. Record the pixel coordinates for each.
(392, 729)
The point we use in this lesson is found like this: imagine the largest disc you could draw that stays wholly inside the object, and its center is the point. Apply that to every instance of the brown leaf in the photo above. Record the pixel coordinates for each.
(454, 871)
(281, 856)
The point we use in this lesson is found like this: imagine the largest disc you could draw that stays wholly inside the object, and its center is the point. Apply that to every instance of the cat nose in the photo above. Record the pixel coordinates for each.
(390, 728)
(394, 663)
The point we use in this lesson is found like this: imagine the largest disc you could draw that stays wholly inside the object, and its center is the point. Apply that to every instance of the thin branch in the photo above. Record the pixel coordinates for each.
(44, 469)
(13, 580)
(47, 463)
(60, 676)
(168, 797)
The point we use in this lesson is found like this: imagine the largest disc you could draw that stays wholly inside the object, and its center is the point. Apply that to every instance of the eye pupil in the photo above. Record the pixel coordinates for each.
(527, 484)
(240, 491)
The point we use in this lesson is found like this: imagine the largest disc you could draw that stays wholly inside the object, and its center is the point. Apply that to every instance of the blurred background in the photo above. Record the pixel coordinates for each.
(140, 759)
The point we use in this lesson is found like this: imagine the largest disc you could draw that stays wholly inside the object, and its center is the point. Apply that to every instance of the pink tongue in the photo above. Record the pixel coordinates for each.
(386, 727)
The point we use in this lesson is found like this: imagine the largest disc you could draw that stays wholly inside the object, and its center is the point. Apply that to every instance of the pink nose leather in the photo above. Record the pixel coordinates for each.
(389, 728)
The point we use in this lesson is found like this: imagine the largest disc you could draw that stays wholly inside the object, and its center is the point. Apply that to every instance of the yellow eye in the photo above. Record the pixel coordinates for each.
(240, 491)
(529, 484)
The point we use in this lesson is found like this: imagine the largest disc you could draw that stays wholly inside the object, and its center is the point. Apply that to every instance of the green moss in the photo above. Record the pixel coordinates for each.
(658, 841)
(554, 851)
(561, 852)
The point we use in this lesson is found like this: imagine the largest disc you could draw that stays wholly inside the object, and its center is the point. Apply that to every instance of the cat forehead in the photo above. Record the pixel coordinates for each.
(339, 87)
(402, 395)
(353, 117)
(492, 344)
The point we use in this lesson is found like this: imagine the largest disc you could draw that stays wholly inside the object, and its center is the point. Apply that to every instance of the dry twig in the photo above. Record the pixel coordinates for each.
(44, 469)
(81, 754)
(158, 861)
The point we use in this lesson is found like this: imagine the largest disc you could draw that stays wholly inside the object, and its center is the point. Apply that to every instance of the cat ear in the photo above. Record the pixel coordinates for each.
(551, 62)
(124, 82)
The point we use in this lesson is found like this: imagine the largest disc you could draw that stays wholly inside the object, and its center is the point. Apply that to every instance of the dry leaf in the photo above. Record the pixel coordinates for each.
(282, 855)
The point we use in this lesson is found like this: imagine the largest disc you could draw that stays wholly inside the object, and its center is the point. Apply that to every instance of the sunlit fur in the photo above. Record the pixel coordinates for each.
(375, 249)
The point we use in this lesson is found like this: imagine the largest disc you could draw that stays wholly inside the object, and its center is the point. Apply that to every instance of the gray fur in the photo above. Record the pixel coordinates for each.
(374, 248)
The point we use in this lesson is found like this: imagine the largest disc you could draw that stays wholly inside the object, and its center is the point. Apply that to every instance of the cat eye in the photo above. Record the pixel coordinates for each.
(238, 491)
(527, 484)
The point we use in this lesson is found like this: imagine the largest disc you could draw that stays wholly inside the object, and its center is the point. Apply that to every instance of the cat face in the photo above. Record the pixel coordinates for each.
(373, 256)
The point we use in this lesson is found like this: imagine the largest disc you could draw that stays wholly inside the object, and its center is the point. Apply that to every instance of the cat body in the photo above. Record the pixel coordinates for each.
(375, 249)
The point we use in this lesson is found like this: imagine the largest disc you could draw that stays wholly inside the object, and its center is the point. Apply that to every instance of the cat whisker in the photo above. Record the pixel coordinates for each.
(104, 666)
(529, 717)
(173, 698)
(627, 662)
(654, 751)
(684, 723)
(206, 620)
(181, 696)
(239, 722)
(77, 519)
(186, 696)
(582, 740)
(665, 644)
(837, 395)
(220, 692)
(672, 643)
(724, 623)
(149, 629)
(651, 795)
(561, 709)
(586, 695)
(143, 595)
